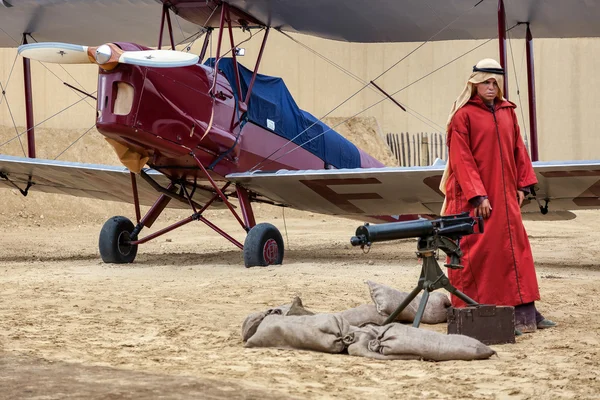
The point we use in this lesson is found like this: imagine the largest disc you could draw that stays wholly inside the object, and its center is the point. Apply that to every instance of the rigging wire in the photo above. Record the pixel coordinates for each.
(8, 79)
(18, 136)
(430, 123)
(188, 46)
(64, 69)
(518, 88)
(376, 103)
(361, 89)
(39, 123)
(13, 120)
(199, 33)
(428, 40)
(521, 71)
(7, 34)
(178, 24)
(75, 91)
(77, 140)
(60, 79)
(4, 88)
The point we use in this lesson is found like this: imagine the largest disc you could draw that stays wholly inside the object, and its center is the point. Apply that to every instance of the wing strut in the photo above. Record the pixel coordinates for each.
(165, 13)
(220, 193)
(530, 75)
(207, 37)
(28, 103)
(531, 97)
(502, 44)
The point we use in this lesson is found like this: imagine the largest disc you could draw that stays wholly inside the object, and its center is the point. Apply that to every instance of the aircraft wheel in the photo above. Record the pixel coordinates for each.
(113, 237)
(263, 246)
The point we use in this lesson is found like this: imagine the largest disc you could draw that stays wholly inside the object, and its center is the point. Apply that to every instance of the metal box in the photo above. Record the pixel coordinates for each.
(489, 324)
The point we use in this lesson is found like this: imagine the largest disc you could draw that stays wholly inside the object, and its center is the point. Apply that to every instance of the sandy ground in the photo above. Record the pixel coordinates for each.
(168, 325)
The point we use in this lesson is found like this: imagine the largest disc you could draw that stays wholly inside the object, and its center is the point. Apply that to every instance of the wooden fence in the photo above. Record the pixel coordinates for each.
(417, 149)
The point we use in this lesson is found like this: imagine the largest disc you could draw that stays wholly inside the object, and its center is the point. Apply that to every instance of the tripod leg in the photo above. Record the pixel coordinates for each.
(421, 309)
(460, 294)
(403, 305)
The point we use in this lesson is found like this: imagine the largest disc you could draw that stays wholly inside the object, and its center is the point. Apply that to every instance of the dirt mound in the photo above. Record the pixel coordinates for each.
(366, 134)
(61, 144)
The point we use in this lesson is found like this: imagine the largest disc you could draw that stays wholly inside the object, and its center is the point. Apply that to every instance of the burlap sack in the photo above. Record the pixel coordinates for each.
(387, 299)
(297, 308)
(252, 321)
(322, 332)
(400, 342)
(364, 336)
(362, 315)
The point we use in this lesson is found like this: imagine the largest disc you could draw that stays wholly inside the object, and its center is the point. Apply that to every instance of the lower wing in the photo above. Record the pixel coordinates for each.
(562, 187)
(94, 181)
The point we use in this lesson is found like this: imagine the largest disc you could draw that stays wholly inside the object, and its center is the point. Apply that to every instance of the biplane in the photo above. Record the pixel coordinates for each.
(198, 132)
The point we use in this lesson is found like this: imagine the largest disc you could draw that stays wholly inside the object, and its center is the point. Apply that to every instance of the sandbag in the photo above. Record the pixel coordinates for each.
(253, 320)
(328, 333)
(362, 315)
(297, 308)
(400, 342)
(388, 299)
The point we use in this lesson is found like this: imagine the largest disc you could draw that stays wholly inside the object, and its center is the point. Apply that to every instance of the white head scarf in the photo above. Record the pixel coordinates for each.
(482, 71)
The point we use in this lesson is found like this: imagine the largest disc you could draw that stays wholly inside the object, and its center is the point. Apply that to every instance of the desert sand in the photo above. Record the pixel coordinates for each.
(169, 325)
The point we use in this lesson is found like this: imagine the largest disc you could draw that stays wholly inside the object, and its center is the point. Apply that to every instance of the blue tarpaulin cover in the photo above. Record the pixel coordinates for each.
(271, 106)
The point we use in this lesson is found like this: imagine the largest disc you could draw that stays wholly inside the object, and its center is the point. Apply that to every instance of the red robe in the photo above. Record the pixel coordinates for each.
(488, 158)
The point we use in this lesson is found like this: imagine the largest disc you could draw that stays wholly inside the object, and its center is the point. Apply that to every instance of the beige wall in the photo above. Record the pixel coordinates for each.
(565, 76)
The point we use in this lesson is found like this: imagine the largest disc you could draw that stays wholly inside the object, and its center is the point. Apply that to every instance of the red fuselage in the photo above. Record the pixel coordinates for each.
(164, 113)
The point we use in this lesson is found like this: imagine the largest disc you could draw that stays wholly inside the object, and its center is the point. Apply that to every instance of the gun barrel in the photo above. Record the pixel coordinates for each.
(391, 231)
(358, 240)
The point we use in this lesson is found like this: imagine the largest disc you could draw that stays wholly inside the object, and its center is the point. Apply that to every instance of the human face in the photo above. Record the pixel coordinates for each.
(488, 90)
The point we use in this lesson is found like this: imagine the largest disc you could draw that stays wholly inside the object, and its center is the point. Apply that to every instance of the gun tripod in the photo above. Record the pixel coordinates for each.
(432, 277)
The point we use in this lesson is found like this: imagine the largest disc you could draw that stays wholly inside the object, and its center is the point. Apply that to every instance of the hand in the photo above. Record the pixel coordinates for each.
(484, 209)
(520, 197)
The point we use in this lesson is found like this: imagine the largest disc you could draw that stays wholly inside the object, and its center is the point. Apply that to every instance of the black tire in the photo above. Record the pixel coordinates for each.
(113, 236)
(263, 246)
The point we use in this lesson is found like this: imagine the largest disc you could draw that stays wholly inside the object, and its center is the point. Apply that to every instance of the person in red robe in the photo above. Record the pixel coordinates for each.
(488, 174)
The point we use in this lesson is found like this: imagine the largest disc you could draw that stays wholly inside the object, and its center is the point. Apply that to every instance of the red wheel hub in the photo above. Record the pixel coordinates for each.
(270, 251)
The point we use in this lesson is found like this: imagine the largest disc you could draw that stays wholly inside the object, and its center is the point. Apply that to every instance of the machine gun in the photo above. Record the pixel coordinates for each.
(443, 233)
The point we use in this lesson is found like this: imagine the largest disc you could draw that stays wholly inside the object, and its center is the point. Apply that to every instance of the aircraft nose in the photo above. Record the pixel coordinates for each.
(102, 54)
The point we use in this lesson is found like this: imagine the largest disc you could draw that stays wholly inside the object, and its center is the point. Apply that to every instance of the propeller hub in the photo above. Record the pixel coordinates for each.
(103, 54)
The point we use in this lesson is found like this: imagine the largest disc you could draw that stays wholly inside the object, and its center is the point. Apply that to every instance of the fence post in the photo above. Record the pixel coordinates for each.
(418, 147)
(424, 150)
(406, 156)
(395, 147)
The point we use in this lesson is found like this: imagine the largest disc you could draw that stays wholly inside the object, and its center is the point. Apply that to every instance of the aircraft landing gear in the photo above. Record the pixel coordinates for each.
(263, 246)
(114, 241)
(119, 238)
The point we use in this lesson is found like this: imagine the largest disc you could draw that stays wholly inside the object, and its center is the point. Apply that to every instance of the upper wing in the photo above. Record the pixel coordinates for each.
(391, 191)
(93, 22)
(87, 22)
(411, 20)
(94, 181)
